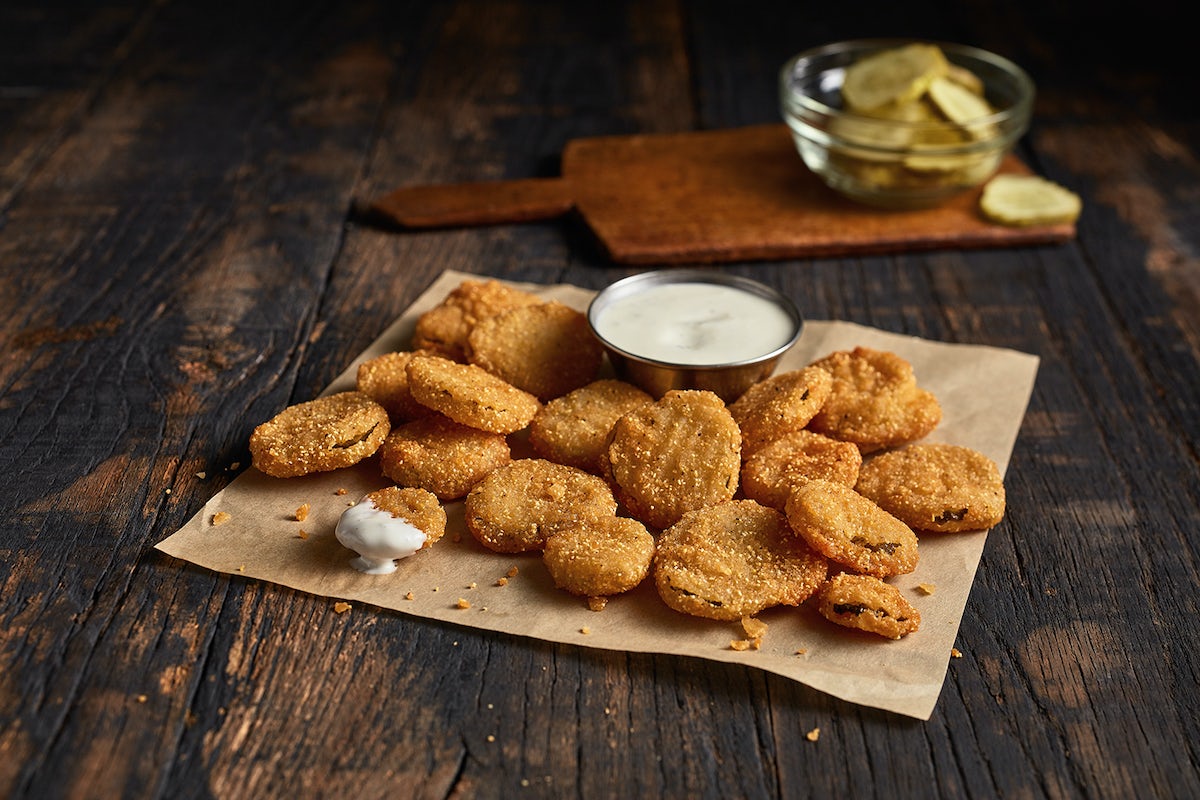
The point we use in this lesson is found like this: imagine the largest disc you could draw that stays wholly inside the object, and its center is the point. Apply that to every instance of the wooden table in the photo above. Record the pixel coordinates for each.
(179, 260)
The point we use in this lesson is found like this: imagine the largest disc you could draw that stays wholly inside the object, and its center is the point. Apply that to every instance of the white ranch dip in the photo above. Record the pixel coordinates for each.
(377, 537)
(695, 324)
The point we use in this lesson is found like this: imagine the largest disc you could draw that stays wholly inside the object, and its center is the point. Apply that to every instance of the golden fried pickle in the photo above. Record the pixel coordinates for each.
(678, 454)
(732, 560)
(875, 401)
(418, 507)
(936, 487)
(573, 429)
(779, 405)
(546, 349)
(850, 530)
(441, 456)
(470, 395)
(444, 328)
(320, 435)
(385, 380)
(599, 556)
(867, 604)
(770, 474)
(515, 506)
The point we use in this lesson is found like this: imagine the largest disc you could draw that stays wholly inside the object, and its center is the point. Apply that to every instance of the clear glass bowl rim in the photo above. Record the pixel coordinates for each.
(797, 103)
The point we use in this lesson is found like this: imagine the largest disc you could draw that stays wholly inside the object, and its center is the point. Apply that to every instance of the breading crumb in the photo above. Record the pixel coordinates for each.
(463, 603)
(234, 466)
(340, 492)
(803, 651)
(221, 517)
(201, 475)
(472, 585)
(512, 571)
(491, 738)
(926, 588)
(740, 645)
(502, 581)
(597, 603)
(409, 596)
(585, 630)
(302, 513)
(955, 652)
(141, 698)
(813, 735)
(341, 607)
(303, 534)
(754, 628)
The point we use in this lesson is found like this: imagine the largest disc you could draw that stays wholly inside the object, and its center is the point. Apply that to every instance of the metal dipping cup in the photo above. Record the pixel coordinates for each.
(727, 380)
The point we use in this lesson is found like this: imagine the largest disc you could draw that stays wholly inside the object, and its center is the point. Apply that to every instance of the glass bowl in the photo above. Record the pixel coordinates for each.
(896, 157)
(693, 329)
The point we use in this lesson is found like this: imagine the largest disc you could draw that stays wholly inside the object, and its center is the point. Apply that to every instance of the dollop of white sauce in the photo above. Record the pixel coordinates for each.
(377, 537)
(695, 324)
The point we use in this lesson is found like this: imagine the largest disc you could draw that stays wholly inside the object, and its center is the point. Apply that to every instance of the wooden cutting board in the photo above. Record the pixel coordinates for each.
(704, 197)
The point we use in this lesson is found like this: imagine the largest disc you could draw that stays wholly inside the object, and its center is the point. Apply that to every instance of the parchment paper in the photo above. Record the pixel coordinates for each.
(983, 391)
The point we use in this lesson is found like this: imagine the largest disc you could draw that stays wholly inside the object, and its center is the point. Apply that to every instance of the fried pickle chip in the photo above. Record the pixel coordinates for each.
(680, 453)
(441, 456)
(320, 435)
(599, 556)
(875, 401)
(867, 604)
(778, 405)
(515, 506)
(385, 380)
(897, 75)
(573, 429)
(936, 487)
(732, 560)
(470, 395)
(546, 349)
(850, 530)
(772, 472)
(417, 507)
(444, 329)
(1028, 200)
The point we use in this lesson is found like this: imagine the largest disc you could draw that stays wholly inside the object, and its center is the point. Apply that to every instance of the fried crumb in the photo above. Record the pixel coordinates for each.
(597, 603)
(585, 630)
(463, 603)
(472, 585)
(341, 607)
(303, 534)
(955, 652)
(168, 491)
(409, 596)
(234, 466)
(302, 513)
(512, 571)
(456, 538)
(340, 492)
(740, 645)
(141, 698)
(754, 628)
(926, 588)
(241, 568)
(221, 517)
(201, 475)
(502, 581)
(803, 651)
(813, 735)
(1050, 590)
(491, 738)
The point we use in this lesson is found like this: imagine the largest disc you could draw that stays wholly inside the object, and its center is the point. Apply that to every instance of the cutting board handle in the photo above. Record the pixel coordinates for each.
(477, 203)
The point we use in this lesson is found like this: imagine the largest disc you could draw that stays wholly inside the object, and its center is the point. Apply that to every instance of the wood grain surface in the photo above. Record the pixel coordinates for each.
(179, 260)
(708, 197)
